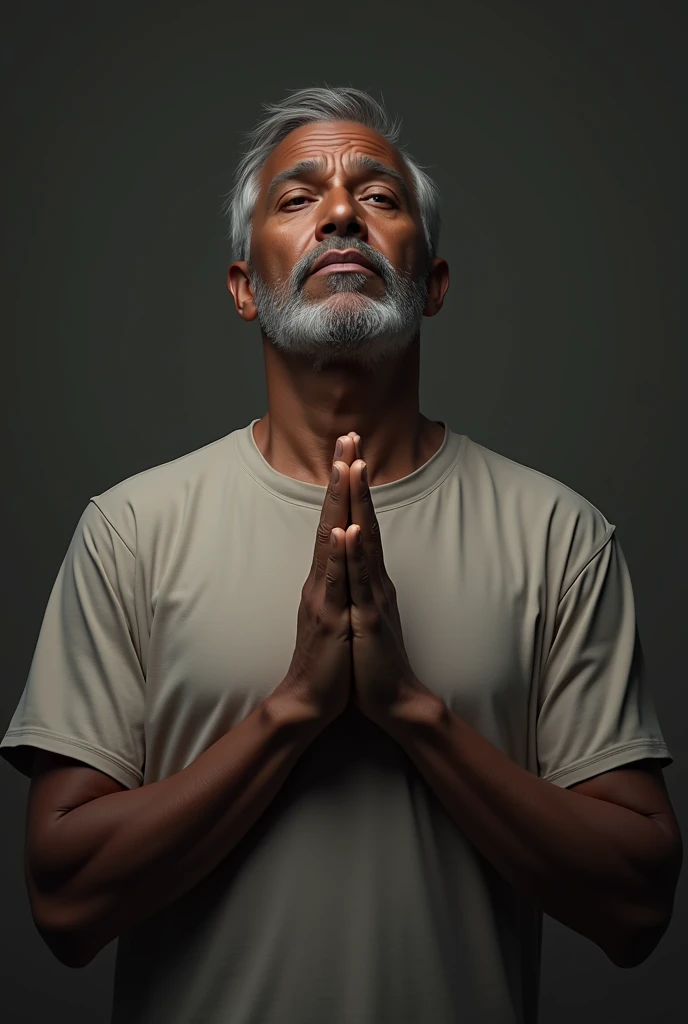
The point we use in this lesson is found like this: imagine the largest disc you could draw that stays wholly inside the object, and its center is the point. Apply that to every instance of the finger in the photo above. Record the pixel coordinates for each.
(335, 513)
(348, 450)
(336, 580)
(363, 513)
(356, 438)
(348, 454)
(358, 571)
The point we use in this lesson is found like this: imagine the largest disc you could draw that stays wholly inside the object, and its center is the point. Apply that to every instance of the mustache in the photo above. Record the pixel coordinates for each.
(340, 245)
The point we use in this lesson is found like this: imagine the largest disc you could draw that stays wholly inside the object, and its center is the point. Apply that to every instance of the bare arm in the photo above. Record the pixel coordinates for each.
(112, 862)
(604, 869)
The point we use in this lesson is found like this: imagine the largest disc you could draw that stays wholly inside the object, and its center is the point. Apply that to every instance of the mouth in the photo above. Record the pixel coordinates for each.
(336, 268)
(336, 260)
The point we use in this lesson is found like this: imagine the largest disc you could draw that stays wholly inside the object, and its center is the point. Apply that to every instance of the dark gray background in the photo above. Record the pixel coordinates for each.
(556, 135)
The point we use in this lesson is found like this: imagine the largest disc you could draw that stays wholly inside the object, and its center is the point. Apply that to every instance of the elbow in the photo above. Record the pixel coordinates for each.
(643, 932)
(66, 947)
(62, 937)
(637, 945)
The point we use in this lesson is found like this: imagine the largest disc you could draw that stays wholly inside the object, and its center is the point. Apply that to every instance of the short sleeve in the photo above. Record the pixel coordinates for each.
(85, 692)
(595, 708)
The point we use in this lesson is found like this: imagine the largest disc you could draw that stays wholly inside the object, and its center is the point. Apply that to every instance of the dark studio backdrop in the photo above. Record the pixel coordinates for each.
(556, 135)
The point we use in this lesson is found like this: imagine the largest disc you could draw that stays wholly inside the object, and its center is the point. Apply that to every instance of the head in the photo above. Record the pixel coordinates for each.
(353, 189)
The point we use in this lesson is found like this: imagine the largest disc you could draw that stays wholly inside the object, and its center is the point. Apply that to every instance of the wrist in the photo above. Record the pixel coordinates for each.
(286, 712)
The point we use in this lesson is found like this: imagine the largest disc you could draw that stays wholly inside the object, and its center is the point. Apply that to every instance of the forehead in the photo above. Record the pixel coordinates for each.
(333, 140)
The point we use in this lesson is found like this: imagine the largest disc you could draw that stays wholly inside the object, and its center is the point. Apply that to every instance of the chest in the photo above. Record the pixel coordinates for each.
(224, 623)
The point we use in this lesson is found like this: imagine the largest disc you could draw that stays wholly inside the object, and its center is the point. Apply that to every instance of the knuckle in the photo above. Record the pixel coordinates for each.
(324, 530)
(323, 618)
(319, 615)
(332, 578)
(320, 567)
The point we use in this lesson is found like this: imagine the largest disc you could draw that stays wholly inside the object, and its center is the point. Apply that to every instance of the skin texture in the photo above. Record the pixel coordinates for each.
(602, 857)
(309, 408)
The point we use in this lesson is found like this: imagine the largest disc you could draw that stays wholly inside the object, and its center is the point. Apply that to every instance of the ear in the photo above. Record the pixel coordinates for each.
(239, 284)
(438, 282)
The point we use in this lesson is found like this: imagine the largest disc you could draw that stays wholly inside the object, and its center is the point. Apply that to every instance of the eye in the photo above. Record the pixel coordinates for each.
(382, 195)
(284, 205)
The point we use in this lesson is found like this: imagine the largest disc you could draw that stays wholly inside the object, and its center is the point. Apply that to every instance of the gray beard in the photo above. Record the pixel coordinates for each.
(357, 329)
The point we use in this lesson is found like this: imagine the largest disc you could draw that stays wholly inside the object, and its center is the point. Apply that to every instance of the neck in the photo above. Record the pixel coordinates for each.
(308, 411)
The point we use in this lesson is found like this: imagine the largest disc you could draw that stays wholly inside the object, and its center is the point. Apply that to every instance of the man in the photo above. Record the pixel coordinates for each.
(363, 822)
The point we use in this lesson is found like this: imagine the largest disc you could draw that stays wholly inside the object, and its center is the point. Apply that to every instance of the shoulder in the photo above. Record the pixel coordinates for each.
(141, 506)
(537, 510)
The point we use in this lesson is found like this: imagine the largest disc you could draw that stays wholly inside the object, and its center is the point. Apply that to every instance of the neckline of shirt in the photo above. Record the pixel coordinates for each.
(385, 496)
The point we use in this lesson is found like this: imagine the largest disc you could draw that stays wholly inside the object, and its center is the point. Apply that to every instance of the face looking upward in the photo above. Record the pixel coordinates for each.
(344, 201)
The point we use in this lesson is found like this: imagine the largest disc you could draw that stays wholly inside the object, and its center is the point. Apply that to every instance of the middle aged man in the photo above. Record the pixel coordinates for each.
(363, 822)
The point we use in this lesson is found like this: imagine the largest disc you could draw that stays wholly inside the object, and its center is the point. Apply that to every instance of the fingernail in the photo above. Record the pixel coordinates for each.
(335, 475)
(339, 450)
(364, 474)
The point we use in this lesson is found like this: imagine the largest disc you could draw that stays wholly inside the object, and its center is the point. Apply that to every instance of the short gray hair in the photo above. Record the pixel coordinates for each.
(309, 106)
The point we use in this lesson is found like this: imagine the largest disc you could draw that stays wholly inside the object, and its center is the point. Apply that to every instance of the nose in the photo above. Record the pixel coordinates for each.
(340, 217)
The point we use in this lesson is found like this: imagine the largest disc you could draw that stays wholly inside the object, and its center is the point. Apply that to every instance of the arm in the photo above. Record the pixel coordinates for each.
(99, 864)
(108, 864)
(604, 870)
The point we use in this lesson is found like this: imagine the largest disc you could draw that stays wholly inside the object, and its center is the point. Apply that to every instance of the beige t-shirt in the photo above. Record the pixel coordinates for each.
(354, 897)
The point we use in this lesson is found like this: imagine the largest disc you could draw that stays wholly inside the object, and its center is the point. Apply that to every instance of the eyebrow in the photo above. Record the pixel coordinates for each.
(317, 165)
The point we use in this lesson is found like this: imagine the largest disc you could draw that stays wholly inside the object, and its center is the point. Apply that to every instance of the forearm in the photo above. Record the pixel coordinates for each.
(569, 852)
(119, 859)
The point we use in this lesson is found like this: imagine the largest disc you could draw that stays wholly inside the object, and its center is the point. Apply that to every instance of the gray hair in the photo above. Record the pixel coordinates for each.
(309, 106)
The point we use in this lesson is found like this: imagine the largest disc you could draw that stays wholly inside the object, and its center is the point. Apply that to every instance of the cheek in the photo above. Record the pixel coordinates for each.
(280, 265)
(272, 252)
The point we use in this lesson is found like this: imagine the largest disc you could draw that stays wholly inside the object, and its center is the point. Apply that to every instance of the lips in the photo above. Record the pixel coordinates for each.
(342, 256)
